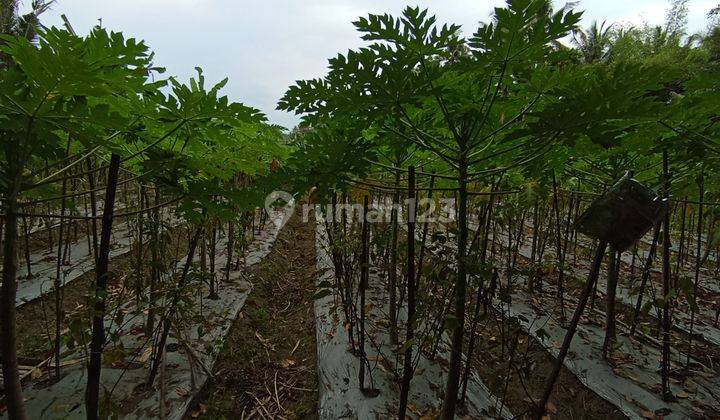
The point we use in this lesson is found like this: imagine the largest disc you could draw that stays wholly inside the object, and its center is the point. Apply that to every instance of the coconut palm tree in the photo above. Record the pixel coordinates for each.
(26, 25)
(593, 43)
(711, 42)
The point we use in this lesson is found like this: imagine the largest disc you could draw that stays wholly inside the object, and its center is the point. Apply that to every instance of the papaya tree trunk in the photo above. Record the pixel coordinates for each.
(362, 287)
(11, 374)
(698, 251)
(559, 249)
(230, 245)
(93, 207)
(139, 283)
(58, 266)
(645, 277)
(681, 246)
(423, 241)
(479, 294)
(154, 266)
(26, 231)
(453, 379)
(613, 272)
(213, 247)
(203, 250)
(167, 322)
(392, 272)
(665, 370)
(410, 332)
(92, 393)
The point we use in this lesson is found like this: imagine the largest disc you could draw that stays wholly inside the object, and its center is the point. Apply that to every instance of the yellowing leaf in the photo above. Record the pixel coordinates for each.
(35, 373)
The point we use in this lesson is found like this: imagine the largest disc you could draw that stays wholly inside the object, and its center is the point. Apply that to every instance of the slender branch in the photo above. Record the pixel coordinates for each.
(156, 142)
(497, 87)
(417, 129)
(76, 194)
(449, 160)
(510, 122)
(440, 101)
(128, 214)
(516, 164)
(56, 163)
(395, 168)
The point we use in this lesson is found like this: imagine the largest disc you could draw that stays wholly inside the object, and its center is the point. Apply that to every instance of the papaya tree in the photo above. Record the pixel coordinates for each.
(56, 90)
(460, 100)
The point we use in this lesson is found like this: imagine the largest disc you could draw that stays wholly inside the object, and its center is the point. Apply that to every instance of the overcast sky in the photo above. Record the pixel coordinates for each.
(264, 46)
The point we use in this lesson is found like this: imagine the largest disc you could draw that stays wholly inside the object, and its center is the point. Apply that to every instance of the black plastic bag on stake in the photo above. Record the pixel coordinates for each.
(624, 214)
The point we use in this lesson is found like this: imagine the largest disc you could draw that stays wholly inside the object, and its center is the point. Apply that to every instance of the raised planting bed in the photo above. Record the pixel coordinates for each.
(338, 367)
(190, 353)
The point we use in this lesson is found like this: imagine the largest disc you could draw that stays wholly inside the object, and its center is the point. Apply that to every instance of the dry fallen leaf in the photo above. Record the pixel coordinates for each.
(35, 373)
(287, 363)
(201, 409)
(682, 394)
(551, 408)
(145, 356)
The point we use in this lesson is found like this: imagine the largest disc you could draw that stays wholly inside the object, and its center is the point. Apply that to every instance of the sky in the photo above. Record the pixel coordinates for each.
(264, 46)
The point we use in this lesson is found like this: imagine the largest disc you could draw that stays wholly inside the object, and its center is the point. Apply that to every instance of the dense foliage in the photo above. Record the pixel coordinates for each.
(529, 105)
(513, 104)
(69, 104)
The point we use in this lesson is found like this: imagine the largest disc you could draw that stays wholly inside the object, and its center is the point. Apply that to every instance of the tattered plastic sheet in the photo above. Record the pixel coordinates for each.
(44, 263)
(187, 366)
(625, 386)
(628, 388)
(339, 391)
(623, 214)
(704, 317)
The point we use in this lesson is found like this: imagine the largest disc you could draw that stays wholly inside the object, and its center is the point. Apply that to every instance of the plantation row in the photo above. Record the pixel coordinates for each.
(128, 204)
(525, 135)
(140, 237)
(528, 296)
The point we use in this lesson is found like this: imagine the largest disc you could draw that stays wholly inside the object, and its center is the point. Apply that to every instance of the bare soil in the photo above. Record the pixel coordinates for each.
(36, 318)
(268, 364)
(518, 369)
(515, 366)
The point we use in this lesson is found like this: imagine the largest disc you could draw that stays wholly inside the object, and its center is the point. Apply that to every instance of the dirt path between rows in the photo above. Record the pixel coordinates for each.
(267, 367)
